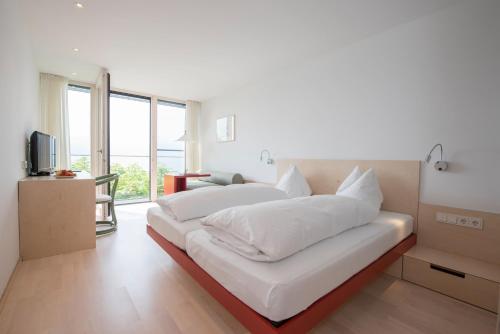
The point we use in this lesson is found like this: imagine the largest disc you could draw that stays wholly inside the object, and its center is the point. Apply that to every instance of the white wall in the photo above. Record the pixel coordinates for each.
(18, 117)
(392, 96)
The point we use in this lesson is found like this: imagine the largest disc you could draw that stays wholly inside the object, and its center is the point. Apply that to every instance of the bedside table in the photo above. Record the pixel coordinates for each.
(173, 183)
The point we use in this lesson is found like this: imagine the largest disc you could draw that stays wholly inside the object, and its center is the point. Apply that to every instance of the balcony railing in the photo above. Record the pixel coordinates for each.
(135, 184)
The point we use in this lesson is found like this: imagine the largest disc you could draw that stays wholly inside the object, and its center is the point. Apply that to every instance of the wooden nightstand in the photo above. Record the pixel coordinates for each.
(173, 183)
(467, 279)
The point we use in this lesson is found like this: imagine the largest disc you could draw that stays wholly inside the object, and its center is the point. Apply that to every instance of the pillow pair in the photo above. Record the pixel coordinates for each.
(362, 186)
(358, 185)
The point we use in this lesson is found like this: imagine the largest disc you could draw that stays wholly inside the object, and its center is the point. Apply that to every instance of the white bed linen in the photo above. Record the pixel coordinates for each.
(280, 290)
(171, 229)
(197, 203)
(274, 230)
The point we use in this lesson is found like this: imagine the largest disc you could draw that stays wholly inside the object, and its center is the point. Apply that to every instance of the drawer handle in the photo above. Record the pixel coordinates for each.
(447, 270)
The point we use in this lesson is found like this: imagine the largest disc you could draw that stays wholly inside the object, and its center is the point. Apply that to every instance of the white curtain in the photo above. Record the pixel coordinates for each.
(54, 115)
(193, 144)
(99, 137)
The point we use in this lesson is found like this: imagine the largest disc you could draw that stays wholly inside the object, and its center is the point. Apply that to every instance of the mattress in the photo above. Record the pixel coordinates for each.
(282, 289)
(169, 228)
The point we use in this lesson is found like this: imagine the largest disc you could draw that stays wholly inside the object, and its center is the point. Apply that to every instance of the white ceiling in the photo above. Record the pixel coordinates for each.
(197, 49)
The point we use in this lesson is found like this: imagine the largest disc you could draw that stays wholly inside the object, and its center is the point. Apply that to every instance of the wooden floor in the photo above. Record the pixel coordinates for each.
(129, 285)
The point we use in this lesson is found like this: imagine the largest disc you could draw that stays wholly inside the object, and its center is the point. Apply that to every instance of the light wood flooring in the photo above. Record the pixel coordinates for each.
(130, 285)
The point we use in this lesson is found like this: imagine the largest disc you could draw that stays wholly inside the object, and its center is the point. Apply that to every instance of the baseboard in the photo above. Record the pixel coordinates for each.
(6, 291)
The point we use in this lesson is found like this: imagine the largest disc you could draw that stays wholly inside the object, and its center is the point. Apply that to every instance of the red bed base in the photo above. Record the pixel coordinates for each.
(301, 322)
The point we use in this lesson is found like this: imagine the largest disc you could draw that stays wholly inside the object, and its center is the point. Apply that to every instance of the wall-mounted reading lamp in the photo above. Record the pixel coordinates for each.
(440, 165)
(269, 160)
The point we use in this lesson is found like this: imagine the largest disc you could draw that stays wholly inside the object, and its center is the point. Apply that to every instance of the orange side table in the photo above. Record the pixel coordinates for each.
(173, 183)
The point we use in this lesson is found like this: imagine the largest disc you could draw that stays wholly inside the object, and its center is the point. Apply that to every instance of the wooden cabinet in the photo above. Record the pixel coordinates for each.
(468, 288)
(466, 279)
(56, 215)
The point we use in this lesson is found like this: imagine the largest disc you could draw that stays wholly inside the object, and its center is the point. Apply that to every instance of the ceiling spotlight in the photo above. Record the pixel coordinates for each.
(76, 49)
(78, 5)
(74, 73)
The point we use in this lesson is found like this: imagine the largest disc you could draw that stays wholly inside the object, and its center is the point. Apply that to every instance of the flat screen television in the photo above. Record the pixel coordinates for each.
(42, 154)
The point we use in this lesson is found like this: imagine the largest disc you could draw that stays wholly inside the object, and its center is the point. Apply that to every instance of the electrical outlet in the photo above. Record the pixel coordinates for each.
(474, 222)
(441, 218)
(470, 222)
(446, 218)
(464, 221)
(452, 219)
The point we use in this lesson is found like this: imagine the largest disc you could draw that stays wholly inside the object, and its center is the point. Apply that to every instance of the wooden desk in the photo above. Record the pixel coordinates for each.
(56, 215)
(173, 183)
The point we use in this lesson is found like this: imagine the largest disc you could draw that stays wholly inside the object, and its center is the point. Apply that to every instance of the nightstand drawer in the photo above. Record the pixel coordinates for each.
(462, 286)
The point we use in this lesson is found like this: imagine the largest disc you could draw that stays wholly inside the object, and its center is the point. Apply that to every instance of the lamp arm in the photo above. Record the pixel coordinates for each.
(428, 157)
(269, 160)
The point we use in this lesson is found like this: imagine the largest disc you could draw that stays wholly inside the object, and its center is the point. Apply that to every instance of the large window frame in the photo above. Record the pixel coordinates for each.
(153, 144)
(139, 97)
(94, 154)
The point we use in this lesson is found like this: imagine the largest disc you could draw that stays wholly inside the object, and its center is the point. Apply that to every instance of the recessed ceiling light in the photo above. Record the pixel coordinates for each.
(76, 49)
(74, 73)
(78, 5)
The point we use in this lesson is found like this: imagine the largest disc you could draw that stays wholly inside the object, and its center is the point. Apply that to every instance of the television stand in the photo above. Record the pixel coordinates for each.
(41, 174)
(56, 216)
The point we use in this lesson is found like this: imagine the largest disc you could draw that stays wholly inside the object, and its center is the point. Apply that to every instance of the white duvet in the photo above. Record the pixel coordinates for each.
(202, 202)
(274, 230)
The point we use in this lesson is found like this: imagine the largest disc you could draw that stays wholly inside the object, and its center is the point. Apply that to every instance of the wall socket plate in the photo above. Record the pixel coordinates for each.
(464, 221)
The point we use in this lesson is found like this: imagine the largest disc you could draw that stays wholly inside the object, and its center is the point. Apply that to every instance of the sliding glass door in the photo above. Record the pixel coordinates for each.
(170, 155)
(139, 155)
(130, 125)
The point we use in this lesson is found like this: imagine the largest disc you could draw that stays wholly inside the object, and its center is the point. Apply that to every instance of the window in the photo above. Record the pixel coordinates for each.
(79, 127)
(170, 152)
(130, 146)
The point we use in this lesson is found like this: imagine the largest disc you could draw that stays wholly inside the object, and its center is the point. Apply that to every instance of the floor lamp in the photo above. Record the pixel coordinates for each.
(185, 138)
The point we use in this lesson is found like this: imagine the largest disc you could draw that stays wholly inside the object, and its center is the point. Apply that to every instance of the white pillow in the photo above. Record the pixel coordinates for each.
(350, 179)
(294, 184)
(365, 188)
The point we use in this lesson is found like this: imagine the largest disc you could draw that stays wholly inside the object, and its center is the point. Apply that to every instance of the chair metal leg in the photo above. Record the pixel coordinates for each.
(106, 231)
(112, 224)
(113, 214)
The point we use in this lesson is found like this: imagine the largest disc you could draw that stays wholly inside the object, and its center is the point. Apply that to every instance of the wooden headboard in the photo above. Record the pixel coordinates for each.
(399, 180)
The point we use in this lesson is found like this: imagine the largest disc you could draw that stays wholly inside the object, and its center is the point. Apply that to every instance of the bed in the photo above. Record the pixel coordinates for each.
(294, 294)
(280, 290)
(171, 229)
